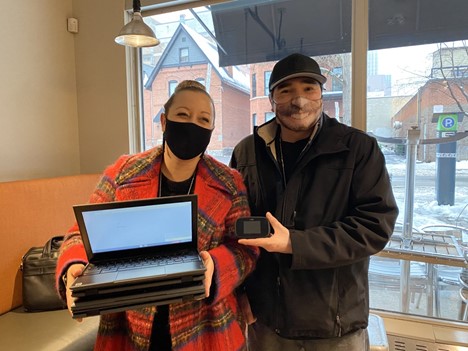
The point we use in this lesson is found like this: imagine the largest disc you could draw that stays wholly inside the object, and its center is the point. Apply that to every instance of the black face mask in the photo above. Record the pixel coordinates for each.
(186, 140)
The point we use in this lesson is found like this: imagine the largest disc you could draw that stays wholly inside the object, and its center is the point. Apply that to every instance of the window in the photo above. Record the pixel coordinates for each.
(400, 33)
(200, 80)
(254, 85)
(172, 86)
(183, 55)
(337, 79)
(266, 80)
(414, 93)
(269, 116)
(422, 89)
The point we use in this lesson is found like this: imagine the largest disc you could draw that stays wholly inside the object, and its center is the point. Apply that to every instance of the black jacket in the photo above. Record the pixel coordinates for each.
(340, 209)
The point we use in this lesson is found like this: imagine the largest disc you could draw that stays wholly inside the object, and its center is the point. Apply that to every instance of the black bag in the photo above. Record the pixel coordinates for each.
(38, 266)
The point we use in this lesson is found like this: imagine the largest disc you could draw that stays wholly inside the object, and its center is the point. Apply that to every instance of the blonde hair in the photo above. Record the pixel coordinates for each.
(191, 85)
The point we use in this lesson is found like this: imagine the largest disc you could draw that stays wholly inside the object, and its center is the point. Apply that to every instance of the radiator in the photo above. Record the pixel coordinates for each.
(399, 343)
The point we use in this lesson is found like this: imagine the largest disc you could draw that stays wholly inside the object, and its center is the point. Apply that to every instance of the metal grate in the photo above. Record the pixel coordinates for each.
(399, 346)
(398, 343)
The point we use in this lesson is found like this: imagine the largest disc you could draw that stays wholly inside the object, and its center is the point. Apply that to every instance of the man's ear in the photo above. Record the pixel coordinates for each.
(163, 121)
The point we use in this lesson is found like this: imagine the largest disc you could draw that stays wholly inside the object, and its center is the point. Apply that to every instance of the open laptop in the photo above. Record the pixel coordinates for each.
(139, 252)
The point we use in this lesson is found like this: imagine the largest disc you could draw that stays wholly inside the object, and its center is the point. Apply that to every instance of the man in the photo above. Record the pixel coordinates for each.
(327, 186)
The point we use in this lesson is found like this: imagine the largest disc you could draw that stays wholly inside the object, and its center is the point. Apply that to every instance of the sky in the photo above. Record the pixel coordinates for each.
(406, 64)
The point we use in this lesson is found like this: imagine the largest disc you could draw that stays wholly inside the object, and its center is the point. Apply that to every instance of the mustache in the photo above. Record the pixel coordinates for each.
(307, 108)
(295, 109)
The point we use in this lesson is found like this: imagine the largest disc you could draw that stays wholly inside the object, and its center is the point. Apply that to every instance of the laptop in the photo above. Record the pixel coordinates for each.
(140, 252)
(117, 302)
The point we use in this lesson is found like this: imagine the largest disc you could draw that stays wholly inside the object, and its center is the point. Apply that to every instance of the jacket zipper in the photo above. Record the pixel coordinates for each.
(278, 288)
(338, 322)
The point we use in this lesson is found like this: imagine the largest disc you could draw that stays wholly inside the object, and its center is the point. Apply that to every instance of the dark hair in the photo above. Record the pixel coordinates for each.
(190, 85)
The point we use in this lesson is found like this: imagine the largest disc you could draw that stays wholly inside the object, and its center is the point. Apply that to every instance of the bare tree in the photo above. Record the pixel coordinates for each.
(450, 65)
(328, 64)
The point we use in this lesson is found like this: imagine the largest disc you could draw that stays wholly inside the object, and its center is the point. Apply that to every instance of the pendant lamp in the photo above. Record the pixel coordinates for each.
(137, 33)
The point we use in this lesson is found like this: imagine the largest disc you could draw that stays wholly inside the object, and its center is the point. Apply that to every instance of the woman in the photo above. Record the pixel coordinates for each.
(178, 167)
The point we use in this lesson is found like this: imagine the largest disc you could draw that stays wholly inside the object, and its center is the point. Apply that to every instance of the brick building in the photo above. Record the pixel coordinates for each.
(189, 55)
(434, 93)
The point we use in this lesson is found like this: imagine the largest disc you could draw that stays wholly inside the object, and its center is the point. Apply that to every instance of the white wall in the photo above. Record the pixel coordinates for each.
(101, 83)
(63, 102)
(38, 106)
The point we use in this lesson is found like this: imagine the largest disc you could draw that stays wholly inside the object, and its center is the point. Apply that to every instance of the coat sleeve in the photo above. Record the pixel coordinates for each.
(233, 261)
(368, 221)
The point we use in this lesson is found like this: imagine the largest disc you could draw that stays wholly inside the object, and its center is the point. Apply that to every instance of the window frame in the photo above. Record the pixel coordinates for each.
(254, 85)
(266, 80)
(171, 85)
(269, 116)
(185, 58)
(201, 80)
(359, 53)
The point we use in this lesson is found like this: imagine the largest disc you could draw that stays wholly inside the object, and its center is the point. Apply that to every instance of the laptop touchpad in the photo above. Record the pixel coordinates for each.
(141, 273)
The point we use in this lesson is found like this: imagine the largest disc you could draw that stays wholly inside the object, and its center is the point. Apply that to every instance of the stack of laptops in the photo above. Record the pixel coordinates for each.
(140, 252)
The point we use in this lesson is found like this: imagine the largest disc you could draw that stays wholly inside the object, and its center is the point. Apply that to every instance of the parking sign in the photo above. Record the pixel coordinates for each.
(447, 122)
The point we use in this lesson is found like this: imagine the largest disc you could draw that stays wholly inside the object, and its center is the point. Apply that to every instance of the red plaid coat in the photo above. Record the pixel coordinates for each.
(211, 324)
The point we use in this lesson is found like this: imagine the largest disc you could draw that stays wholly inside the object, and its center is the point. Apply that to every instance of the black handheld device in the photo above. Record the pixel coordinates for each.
(252, 227)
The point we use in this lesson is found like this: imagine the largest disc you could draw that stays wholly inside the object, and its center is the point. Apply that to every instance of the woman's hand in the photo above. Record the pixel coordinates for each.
(73, 271)
(209, 264)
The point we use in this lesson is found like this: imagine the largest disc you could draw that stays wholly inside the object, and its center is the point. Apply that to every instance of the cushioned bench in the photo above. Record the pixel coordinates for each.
(47, 331)
(31, 212)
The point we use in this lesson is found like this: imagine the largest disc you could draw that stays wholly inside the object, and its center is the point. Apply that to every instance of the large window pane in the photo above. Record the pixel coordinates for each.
(417, 98)
(417, 64)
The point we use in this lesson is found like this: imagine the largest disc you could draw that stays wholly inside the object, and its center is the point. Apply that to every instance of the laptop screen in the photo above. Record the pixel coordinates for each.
(137, 225)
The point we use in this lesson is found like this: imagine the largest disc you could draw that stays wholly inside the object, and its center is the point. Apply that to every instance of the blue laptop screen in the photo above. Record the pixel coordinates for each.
(138, 227)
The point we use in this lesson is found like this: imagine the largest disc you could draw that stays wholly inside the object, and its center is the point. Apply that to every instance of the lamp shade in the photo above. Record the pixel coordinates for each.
(137, 33)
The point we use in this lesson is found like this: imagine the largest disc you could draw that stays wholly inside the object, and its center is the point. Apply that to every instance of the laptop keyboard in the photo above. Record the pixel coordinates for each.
(139, 262)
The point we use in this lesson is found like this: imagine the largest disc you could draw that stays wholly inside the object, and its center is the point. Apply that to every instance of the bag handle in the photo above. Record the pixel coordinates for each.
(52, 246)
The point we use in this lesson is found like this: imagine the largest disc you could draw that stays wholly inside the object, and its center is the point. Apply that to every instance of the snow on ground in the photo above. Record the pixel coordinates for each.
(426, 210)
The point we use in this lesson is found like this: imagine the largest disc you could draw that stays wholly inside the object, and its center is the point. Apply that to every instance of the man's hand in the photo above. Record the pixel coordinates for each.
(280, 241)
(73, 271)
(209, 264)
